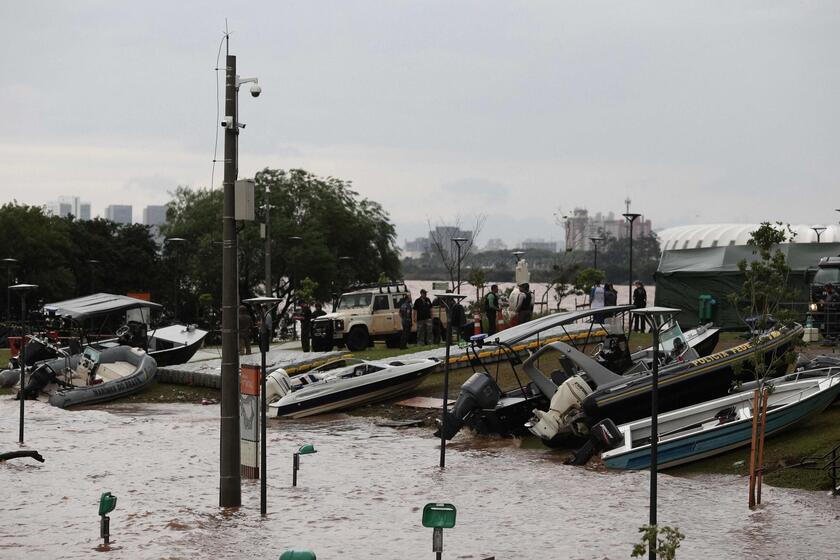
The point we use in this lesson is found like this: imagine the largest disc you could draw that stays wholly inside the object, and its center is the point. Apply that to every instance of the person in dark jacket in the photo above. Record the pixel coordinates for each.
(526, 308)
(305, 324)
(245, 325)
(610, 295)
(639, 301)
(405, 320)
(491, 308)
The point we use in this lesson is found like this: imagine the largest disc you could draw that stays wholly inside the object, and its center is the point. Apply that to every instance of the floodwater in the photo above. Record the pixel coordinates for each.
(360, 496)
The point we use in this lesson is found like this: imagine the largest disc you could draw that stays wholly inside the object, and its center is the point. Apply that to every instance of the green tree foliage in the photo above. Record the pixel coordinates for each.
(57, 254)
(614, 258)
(587, 278)
(666, 540)
(331, 220)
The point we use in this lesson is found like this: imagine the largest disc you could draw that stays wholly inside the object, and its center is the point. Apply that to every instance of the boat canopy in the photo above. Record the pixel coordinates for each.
(96, 305)
(531, 328)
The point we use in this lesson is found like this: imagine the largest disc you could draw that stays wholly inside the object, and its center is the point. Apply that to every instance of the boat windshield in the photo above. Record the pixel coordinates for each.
(337, 364)
(354, 301)
(672, 339)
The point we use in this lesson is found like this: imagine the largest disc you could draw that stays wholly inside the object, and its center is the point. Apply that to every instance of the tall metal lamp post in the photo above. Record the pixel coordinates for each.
(263, 305)
(457, 241)
(91, 265)
(595, 241)
(449, 300)
(819, 230)
(631, 217)
(9, 262)
(230, 481)
(22, 290)
(657, 318)
(267, 209)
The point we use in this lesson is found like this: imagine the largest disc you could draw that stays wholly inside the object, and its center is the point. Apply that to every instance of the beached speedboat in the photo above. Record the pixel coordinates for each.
(342, 384)
(588, 394)
(487, 409)
(91, 376)
(717, 426)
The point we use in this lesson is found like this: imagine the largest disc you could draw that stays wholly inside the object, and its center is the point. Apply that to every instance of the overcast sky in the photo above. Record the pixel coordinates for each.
(700, 112)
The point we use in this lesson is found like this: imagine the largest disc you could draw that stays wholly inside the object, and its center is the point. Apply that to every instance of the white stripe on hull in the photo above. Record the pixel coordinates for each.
(381, 394)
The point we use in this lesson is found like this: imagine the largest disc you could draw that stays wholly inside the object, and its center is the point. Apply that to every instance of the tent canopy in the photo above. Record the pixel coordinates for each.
(96, 305)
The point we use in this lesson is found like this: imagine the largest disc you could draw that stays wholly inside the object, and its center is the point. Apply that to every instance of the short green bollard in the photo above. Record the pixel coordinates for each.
(298, 555)
(305, 449)
(107, 503)
(439, 517)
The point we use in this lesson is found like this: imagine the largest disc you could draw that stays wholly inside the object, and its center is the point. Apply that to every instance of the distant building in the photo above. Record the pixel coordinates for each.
(154, 215)
(538, 245)
(581, 227)
(443, 235)
(495, 244)
(417, 247)
(119, 213)
(69, 206)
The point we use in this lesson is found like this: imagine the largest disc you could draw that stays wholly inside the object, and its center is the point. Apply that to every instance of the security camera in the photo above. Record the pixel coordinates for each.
(256, 90)
(227, 122)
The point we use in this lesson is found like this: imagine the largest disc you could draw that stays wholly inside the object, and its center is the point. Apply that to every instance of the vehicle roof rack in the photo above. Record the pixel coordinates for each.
(383, 287)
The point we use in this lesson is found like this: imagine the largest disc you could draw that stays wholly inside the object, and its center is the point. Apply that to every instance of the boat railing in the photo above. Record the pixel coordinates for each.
(828, 463)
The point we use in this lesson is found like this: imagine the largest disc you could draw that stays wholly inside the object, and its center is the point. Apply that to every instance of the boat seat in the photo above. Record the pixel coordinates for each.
(114, 370)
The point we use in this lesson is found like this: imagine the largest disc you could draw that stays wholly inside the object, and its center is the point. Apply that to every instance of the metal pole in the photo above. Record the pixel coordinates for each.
(654, 431)
(8, 291)
(263, 470)
(230, 483)
(445, 388)
(458, 288)
(267, 244)
(630, 280)
(595, 260)
(22, 356)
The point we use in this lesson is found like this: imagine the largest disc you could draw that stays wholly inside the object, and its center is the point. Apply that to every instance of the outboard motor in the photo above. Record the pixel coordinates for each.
(603, 436)
(565, 404)
(40, 378)
(477, 392)
(277, 385)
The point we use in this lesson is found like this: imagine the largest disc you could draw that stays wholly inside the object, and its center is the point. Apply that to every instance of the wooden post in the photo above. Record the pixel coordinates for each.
(756, 407)
(760, 469)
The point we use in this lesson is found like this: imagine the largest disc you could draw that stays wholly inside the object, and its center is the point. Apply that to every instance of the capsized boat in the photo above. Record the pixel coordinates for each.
(91, 376)
(714, 427)
(485, 408)
(342, 384)
(590, 394)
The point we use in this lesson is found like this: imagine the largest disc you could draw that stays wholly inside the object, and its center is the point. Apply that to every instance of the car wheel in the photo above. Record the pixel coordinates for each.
(357, 339)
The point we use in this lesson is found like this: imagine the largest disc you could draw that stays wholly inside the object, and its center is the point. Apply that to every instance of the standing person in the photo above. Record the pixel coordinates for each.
(405, 319)
(305, 324)
(491, 308)
(423, 318)
(639, 302)
(526, 304)
(245, 324)
(514, 303)
(319, 311)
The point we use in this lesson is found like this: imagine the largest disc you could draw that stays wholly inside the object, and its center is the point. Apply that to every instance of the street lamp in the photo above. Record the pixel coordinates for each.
(631, 217)
(457, 241)
(22, 291)
(9, 262)
(819, 230)
(658, 318)
(265, 304)
(230, 482)
(595, 241)
(176, 273)
(449, 300)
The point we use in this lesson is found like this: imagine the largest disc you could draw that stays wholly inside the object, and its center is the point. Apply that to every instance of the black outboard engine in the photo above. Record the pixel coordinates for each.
(40, 378)
(37, 351)
(477, 392)
(603, 436)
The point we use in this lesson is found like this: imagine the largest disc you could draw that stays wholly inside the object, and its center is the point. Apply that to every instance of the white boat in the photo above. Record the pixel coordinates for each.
(342, 384)
(720, 425)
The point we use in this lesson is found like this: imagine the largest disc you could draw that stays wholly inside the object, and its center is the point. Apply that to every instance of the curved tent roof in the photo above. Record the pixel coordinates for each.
(725, 235)
(96, 305)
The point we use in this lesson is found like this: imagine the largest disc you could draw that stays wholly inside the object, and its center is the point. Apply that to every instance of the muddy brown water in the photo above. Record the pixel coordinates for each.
(360, 496)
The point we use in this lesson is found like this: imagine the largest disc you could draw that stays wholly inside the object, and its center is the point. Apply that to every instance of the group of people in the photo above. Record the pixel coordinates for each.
(605, 295)
(420, 313)
(520, 306)
(303, 313)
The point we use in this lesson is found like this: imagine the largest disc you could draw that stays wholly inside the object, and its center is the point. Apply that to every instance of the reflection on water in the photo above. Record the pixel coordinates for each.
(360, 496)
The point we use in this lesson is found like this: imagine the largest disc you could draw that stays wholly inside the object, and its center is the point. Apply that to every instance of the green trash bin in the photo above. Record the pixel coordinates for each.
(298, 555)
(705, 308)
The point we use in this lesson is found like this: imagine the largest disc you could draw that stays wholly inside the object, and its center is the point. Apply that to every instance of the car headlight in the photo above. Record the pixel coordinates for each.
(813, 307)
(339, 325)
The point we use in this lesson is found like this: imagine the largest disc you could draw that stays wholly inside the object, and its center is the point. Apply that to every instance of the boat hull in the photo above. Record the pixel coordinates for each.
(723, 438)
